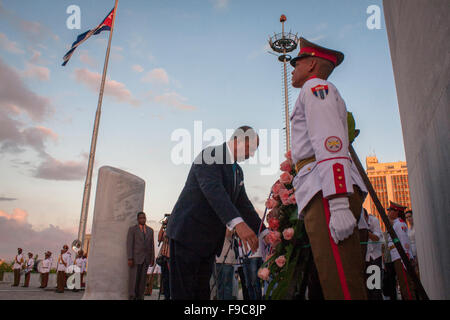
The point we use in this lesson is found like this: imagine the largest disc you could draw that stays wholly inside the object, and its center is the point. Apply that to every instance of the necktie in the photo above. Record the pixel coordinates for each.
(234, 174)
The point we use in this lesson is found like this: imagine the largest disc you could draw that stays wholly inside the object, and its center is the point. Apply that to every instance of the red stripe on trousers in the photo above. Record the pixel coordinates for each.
(406, 282)
(336, 255)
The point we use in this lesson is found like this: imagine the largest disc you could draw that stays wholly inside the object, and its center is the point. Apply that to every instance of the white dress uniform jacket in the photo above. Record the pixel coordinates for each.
(319, 128)
(374, 248)
(30, 264)
(401, 229)
(79, 262)
(67, 260)
(19, 258)
(46, 265)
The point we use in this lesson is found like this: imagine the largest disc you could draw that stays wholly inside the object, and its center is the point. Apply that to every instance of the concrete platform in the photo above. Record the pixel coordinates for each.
(34, 293)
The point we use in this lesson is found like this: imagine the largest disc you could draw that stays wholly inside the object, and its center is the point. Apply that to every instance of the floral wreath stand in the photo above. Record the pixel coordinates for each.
(287, 267)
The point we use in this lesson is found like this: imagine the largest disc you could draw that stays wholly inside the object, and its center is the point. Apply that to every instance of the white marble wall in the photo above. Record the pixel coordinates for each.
(120, 196)
(419, 33)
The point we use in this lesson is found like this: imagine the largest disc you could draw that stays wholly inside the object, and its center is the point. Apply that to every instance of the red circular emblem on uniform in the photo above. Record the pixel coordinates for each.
(333, 144)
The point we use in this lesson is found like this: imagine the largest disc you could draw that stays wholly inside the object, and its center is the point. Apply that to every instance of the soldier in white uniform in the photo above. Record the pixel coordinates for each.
(45, 269)
(401, 229)
(83, 275)
(28, 268)
(373, 254)
(64, 261)
(18, 261)
(328, 187)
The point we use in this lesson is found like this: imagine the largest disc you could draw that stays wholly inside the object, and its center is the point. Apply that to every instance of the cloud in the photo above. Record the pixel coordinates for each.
(14, 138)
(33, 30)
(53, 169)
(137, 68)
(174, 100)
(18, 215)
(38, 72)
(158, 75)
(7, 199)
(113, 88)
(16, 232)
(221, 4)
(36, 57)
(317, 38)
(15, 95)
(87, 59)
(9, 45)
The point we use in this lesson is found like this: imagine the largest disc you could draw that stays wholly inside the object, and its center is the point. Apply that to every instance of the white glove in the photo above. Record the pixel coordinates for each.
(342, 222)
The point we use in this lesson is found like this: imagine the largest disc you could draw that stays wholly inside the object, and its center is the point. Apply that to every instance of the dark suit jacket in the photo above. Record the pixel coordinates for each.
(209, 200)
(141, 249)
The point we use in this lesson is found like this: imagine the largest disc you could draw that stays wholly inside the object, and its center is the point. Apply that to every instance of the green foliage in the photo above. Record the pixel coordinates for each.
(6, 267)
(351, 127)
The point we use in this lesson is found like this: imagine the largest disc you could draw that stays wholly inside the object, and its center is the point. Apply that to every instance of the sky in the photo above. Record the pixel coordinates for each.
(172, 63)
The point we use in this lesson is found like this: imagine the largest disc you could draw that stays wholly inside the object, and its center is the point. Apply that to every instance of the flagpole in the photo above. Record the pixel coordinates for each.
(88, 182)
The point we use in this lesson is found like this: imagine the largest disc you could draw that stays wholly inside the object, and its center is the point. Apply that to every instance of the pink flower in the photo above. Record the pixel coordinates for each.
(285, 196)
(277, 187)
(271, 203)
(286, 178)
(288, 233)
(280, 261)
(288, 155)
(292, 199)
(274, 223)
(274, 238)
(286, 166)
(263, 274)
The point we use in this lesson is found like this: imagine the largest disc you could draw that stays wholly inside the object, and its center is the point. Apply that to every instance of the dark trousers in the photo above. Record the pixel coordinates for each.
(189, 272)
(44, 280)
(137, 280)
(26, 283)
(390, 281)
(165, 278)
(374, 294)
(61, 280)
(251, 267)
(225, 274)
(16, 277)
(245, 294)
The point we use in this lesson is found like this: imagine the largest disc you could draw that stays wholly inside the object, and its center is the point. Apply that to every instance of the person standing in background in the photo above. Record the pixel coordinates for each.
(225, 269)
(395, 212)
(412, 234)
(373, 255)
(141, 253)
(18, 261)
(45, 269)
(164, 259)
(62, 264)
(83, 274)
(28, 268)
(251, 267)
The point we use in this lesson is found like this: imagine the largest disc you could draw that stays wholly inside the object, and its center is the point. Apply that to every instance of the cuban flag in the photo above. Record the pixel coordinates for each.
(104, 26)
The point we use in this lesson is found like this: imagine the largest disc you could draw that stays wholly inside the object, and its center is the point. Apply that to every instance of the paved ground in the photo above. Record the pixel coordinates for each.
(19, 293)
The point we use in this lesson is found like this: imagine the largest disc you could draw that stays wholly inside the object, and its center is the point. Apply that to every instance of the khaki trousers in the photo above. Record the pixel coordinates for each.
(340, 267)
(16, 277)
(404, 281)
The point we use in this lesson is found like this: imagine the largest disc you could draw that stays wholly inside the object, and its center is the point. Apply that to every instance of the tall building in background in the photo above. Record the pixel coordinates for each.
(390, 181)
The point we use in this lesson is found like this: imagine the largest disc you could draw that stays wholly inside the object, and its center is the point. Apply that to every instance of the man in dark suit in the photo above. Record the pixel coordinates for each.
(141, 254)
(212, 200)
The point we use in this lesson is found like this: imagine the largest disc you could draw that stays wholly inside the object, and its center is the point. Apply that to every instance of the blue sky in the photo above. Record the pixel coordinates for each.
(172, 63)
